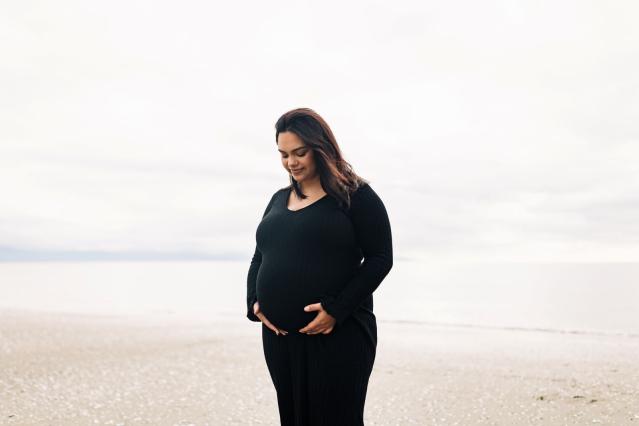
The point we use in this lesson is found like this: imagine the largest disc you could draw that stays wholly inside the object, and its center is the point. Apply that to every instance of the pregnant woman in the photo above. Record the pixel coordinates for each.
(307, 283)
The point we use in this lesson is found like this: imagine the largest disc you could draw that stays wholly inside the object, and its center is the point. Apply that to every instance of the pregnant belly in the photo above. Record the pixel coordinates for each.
(282, 297)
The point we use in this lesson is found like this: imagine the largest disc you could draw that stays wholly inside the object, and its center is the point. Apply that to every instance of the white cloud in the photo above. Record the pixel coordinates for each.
(491, 130)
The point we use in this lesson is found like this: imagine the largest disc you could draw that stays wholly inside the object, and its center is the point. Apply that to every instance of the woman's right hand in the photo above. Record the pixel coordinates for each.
(260, 315)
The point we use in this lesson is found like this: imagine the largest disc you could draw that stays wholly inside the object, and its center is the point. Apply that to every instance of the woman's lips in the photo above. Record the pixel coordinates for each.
(296, 171)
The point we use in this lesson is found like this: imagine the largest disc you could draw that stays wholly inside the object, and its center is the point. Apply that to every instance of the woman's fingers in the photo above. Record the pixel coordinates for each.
(270, 325)
(319, 330)
(260, 315)
(267, 323)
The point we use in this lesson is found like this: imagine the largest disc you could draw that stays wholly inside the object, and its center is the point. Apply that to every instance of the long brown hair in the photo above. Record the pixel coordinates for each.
(336, 175)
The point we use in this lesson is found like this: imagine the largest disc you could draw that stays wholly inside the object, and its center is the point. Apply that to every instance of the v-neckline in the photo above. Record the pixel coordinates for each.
(288, 194)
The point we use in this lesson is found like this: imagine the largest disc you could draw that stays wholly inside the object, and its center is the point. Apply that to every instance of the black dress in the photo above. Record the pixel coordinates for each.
(313, 255)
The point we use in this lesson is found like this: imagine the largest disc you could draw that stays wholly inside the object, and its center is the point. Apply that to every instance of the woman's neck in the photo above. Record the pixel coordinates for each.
(312, 188)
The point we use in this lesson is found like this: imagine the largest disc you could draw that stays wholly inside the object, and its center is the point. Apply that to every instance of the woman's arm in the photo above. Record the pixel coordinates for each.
(373, 233)
(251, 298)
(251, 279)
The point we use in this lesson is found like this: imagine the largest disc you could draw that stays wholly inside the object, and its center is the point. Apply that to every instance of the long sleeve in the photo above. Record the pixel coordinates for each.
(373, 232)
(251, 279)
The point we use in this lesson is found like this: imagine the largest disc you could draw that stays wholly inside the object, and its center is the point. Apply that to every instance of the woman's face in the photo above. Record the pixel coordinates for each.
(297, 158)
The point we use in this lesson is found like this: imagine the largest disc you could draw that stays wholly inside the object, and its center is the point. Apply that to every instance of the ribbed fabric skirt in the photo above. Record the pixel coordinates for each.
(321, 379)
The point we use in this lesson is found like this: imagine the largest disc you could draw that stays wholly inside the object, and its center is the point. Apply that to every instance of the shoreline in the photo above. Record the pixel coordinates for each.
(180, 318)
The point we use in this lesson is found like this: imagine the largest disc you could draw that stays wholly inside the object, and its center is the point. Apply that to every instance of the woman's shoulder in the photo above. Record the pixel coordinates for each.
(364, 192)
(279, 191)
(365, 197)
(273, 198)
(362, 188)
(284, 190)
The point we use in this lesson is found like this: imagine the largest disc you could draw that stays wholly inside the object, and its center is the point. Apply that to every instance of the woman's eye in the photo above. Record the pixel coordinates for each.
(299, 155)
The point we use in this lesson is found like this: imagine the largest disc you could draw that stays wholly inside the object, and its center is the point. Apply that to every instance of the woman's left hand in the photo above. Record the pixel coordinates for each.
(323, 322)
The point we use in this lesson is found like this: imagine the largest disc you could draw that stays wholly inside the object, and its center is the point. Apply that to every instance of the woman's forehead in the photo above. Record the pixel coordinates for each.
(289, 141)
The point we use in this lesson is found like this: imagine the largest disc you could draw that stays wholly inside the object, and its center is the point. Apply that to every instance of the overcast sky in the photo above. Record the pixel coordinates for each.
(495, 130)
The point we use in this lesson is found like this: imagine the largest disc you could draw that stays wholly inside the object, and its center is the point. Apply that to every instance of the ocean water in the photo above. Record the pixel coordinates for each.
(559, 297)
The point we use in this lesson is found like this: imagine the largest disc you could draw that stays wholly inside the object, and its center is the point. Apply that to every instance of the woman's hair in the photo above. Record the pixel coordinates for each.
(336, 175)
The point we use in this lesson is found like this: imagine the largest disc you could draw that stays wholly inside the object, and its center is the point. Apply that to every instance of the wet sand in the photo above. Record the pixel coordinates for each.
(66, 369)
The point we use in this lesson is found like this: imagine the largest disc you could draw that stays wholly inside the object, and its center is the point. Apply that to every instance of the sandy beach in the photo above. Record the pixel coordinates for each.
(71, 369)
